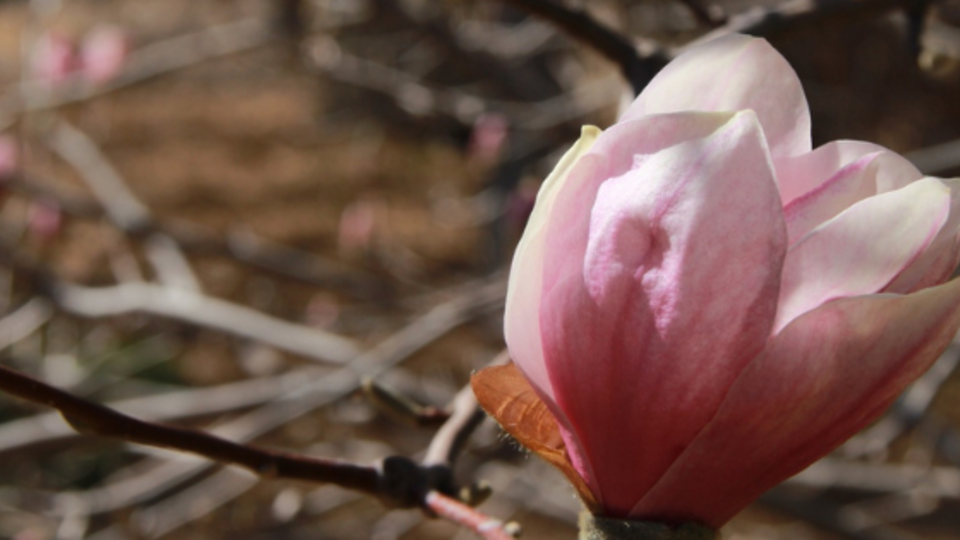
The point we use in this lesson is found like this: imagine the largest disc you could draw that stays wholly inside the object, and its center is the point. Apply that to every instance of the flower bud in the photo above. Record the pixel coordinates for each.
(702, 304)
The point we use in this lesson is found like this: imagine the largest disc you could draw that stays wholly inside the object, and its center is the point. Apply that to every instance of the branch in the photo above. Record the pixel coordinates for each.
(121, 205)
(312, 392)
(465, 416)
(144, 64)
(765, 21)
(398, 481)
(243, 247)
(206, 311)
(618, 49)
(463, 515)
(94, 419)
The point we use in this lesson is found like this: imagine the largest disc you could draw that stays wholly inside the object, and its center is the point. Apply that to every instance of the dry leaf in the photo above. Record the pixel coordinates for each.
(507, 396)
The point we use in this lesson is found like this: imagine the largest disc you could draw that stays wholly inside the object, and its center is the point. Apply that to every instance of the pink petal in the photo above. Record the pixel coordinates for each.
(521, 319)
(940, 259)
(635, 280)
(826, 376)
(863, 249)
(802, 174)
(734, 73)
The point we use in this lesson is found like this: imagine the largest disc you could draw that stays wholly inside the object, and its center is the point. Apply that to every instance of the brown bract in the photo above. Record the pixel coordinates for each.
(506, 395)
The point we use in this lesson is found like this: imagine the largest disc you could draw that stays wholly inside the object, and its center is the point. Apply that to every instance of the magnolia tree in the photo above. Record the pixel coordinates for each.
(701, 302)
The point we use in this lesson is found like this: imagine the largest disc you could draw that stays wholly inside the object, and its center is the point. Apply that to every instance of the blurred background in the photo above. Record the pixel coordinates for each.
(225, 214)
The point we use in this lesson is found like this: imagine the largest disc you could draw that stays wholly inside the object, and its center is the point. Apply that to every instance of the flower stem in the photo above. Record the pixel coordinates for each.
(600, 528)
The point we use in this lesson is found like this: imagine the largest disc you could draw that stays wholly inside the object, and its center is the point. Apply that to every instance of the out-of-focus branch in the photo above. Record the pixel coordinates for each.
(24, 321)
(414, 95)
(617, 48)
(204, 311)
(402, 408)
(121, 205)
(240, 246)
(312, 393)
(185, 306)
(639, 68)
(763, 21)
(938, 158)
(165, 407)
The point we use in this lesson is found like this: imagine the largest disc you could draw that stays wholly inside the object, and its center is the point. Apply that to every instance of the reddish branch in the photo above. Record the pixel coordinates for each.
(463, 515)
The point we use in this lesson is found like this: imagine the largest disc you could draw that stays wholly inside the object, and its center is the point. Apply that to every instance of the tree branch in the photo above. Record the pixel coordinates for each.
(463, 515)
(618, 49)
(94, 419)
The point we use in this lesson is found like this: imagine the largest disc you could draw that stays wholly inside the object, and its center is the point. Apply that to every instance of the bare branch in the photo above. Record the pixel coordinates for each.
(463, 515)
(465, 416)
(397, 480)
(761, 21)
(91, 418)
(163, 407)
(240, 246)
(204, 311)
(315, 392)
(24, 321)
(124, 209)
(617, 48)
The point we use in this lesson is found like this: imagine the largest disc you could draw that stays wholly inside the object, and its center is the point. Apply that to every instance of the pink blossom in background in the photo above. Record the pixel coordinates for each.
(707, 304)
(53, 58)
(103, 53)
(8, 156)
(44, 220)
(490, 132)
(357, 225)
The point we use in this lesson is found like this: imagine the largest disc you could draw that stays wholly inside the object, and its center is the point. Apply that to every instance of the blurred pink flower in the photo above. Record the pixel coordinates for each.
(706, 304)
(8, 156)
(490, 132)
(103, 53)
(358, 221)
(53, 58)
(44, 220)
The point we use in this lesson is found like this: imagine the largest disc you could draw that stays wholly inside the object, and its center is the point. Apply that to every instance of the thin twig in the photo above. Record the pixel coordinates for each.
(402, 408)
(24, 321)
(465, 516)
(464, 106)
(121, 205)
(204, 311)
(243, 247)
(760, 21)
(465, 416)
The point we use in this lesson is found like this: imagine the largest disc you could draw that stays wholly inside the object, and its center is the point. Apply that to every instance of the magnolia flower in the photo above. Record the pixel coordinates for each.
(704, 305)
